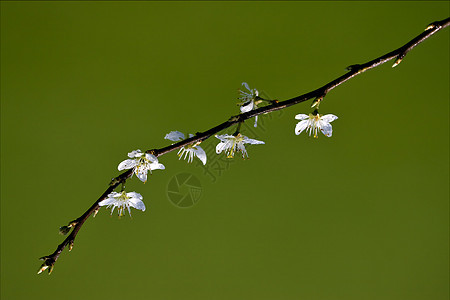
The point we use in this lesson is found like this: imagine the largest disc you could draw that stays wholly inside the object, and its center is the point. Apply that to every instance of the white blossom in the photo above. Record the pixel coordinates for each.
(230, 144)
(189, 150)
(249, 101)
(123, 200)
(141, 163)
(314, 123)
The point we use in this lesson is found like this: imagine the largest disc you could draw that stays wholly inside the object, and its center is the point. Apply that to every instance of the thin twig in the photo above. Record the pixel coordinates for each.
(317, 94)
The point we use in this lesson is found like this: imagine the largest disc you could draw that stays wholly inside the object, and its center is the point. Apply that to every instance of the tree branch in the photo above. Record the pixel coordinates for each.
(318, 94)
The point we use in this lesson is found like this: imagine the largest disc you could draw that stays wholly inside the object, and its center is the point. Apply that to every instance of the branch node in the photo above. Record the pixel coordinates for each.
(96, 211)
(317, 101)
(48, 263)
(71, 245)
(399, 59)
(152, 152)
(434, 25)
(356, 67)
(64, 230)
(234, 119)
(431, 26)
(115, 181)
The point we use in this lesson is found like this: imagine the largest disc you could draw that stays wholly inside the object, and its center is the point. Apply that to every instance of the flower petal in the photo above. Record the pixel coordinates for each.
(107, 201)
(301, 126)
(174, 136)
(127, 164)
(224, 137)
(134, 195)
(327, 129)
(328, 118)
(246, 107)
(301, 117)
(201, 154)
(141, 173)
(114, 195)
(151, 157)
(252, 141)
(137, 203)
(135, 153)
(246, 86)
(220, 147)
(156, 166)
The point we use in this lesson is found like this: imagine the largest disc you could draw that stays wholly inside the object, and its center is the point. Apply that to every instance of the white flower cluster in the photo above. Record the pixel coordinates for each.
(249, 100)
(123, 200)
(313, 123)
(142, 163)
(190, 150)
(230, 144)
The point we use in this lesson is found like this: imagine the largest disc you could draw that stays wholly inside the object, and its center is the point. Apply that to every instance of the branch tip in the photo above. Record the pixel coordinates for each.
(47, 264)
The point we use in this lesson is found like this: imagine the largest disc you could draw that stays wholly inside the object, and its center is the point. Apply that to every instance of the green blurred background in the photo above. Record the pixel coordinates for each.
(361, 215)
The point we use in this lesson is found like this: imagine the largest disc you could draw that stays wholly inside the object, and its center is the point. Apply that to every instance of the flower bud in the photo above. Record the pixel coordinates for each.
(63, 230)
